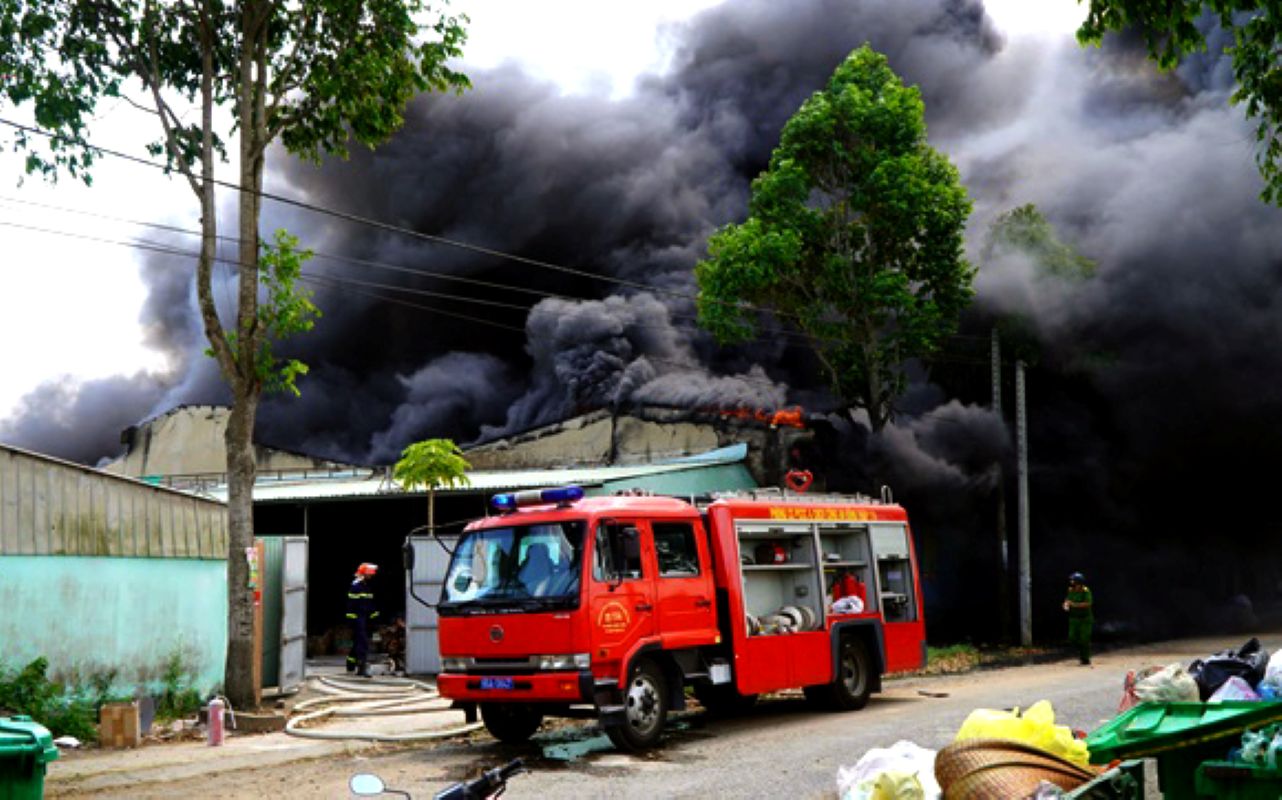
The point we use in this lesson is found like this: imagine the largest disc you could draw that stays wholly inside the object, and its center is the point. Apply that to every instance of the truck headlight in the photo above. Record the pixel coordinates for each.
(575, 661)
(455, 664)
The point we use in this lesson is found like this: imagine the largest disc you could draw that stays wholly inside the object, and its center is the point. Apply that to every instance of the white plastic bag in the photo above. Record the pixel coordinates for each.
(1234, 688)
(850, 604)
(860, 782)
(1170, 684)
(1273, 673)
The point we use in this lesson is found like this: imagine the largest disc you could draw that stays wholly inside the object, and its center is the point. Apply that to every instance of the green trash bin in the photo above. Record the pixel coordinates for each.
(1180, 736)
(26, 748)
(1229, 780)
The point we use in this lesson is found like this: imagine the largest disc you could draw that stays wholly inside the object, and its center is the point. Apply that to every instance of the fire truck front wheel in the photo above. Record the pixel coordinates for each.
(850, 689)
(512, 723)
(645, 708)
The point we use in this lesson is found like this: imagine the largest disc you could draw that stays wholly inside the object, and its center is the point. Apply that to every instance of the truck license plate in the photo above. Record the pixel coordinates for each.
(497, 683)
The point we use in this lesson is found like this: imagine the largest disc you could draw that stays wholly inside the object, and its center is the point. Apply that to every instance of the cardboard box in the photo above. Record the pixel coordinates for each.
(118, 725)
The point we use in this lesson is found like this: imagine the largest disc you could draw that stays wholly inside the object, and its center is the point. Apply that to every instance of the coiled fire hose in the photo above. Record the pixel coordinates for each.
(373, 697)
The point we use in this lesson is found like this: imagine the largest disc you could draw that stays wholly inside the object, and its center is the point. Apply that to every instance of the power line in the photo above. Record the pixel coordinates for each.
(323, 281)
(385, 226)
(332, 281)
(163, 249)
(317, 254)
(417, 272)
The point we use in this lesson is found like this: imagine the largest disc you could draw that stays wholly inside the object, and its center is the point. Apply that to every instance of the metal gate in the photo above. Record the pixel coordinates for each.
(422, 650)
(293, 617)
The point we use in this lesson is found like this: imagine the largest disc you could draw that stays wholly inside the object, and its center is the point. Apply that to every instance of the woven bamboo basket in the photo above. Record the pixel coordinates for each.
(994, 769)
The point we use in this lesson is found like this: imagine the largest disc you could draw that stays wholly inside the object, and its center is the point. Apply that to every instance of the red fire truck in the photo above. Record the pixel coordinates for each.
(610, 606)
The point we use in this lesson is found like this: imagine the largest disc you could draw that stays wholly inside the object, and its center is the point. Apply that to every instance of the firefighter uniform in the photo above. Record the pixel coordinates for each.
(360, 613)
(1081, 619)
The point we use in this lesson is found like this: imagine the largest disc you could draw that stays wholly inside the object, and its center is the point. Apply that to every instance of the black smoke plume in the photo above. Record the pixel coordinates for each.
(1151, 401)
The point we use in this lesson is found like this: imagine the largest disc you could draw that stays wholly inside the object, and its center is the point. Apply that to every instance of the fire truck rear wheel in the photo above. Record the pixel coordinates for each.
(645, 708)
(850, 689)
(511, 723)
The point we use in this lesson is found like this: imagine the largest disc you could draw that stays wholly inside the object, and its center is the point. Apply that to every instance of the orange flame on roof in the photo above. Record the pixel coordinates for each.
(793, 417)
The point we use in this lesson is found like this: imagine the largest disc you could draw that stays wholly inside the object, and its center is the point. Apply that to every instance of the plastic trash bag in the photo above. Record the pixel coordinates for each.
(1035, 727)
(1234, 688)
(907, 766)
(1262, 748)
(1169, 684)
(1273, 674)
(1248, 662)
(1046, 791)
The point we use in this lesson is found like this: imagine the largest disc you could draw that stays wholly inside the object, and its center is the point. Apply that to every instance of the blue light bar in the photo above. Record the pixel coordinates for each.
(511, 501)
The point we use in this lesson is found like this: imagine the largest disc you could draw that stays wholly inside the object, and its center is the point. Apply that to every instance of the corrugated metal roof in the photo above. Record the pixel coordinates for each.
(482, 482)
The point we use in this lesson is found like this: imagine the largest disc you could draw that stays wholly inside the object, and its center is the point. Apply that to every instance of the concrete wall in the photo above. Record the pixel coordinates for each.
(646, 435)
(188, 441)
(88, 615)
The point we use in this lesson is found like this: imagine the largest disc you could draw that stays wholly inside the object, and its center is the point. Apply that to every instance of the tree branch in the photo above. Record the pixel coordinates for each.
(214, 331)
(285, 75)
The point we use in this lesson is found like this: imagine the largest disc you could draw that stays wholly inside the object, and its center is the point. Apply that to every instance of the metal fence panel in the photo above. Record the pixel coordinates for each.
(293, 622)
(57, 508)
(422, 649)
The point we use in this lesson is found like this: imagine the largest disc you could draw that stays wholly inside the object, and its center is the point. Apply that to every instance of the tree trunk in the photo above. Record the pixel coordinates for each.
(240, 687)
(246, 383)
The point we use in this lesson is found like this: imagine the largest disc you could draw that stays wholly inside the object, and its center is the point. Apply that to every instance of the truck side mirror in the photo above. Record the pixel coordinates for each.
(407, 556)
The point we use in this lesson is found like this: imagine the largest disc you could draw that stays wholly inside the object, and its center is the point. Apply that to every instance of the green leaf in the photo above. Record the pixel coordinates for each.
(854, 236)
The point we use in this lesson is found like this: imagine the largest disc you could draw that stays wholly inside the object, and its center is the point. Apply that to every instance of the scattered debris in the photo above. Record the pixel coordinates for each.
(925, 693)
(573, 750)
(67, 742)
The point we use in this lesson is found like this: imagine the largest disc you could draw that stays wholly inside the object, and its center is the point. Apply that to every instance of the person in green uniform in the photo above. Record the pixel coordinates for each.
(1081, 615)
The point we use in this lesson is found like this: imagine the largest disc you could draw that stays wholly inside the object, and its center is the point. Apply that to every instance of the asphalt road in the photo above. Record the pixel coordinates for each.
(782, 749)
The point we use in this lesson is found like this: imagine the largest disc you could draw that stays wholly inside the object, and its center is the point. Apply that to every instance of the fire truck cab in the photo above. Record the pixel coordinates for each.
(610, 606)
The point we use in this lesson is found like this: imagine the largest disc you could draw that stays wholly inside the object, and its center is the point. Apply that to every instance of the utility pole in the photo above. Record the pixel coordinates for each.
(1025, 563)
(1003, 584)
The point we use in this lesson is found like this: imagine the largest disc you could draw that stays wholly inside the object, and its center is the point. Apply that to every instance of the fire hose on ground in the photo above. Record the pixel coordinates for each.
(373, 697)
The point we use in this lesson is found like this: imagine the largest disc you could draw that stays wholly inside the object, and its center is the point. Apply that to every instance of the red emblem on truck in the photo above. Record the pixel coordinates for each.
(614, 618)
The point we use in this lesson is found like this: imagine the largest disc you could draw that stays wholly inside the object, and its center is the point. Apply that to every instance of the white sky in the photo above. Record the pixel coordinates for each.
(70, 309)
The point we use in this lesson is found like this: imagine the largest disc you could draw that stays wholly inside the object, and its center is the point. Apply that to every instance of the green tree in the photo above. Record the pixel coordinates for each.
(1171, 31)
(854, 235)
(433, 464)
(314, 75)
(1023, 232)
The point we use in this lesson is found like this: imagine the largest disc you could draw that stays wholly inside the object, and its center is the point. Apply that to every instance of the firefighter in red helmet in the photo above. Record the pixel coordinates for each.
(360, 613)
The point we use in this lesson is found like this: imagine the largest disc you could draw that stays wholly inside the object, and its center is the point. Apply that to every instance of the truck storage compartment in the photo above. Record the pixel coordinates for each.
(781, 589)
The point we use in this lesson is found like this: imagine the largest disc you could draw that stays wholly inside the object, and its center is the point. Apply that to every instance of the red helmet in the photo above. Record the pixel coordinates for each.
(367, 569)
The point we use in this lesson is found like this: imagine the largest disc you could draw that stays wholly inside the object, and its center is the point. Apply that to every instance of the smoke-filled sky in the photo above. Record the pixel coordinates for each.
(119, 336)
(1151, 379)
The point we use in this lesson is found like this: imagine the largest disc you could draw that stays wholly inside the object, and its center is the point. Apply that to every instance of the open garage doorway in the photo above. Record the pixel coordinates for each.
(344, 533)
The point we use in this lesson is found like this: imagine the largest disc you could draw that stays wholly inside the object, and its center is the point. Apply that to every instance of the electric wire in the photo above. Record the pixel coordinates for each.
(335, 282)
(385, 226)
(418, 272)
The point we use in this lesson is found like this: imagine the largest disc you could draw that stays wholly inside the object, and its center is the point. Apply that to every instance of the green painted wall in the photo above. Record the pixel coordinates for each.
(87, 615)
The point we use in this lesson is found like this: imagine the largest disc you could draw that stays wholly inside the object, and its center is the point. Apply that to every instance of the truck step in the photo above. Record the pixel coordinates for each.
(605, 692)
(611, 713)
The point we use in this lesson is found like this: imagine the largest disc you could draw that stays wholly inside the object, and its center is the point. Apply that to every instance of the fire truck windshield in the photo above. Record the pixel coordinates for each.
(523, 567)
